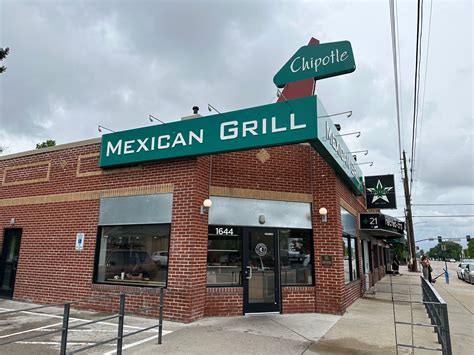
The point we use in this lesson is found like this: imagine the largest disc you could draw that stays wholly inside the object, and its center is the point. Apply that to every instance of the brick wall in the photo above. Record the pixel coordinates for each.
(53, 205)
(224, 301)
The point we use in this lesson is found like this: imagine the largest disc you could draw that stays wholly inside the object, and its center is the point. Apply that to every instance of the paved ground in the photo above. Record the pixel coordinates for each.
(366, 328)
(43, 325)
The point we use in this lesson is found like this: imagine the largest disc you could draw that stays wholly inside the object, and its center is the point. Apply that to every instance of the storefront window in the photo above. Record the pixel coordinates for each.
(349, 245)
(224, 256)
(347, 260)
(133, 255)
(351, 256)
(296, 257)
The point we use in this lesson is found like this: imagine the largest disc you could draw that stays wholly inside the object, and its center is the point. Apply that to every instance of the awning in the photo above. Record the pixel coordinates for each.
(381, 226)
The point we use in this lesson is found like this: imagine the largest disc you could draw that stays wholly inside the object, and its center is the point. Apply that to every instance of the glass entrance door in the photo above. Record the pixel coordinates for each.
(261, 283)
(9, 261)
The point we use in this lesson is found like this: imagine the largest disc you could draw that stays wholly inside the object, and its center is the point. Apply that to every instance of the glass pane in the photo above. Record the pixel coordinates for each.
(262, 262)
(134, 254)
(354, 259)
(12, 246)
(345, 247)
(296, 257)
(224, 256)
(349, 222)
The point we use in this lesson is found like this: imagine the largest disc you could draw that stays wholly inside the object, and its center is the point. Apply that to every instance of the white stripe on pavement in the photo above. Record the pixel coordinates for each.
(30, 330)
(73, 318)
(136, 343)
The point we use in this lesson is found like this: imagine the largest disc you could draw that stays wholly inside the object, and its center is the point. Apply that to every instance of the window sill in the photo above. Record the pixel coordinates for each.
(350, 284)
(127, 288)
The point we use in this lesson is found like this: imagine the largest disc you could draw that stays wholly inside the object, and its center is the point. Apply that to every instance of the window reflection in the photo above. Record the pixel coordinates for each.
(296, 257)
(224, 256)
(133, 255)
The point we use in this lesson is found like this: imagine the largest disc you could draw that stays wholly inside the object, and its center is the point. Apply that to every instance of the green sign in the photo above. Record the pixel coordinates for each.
(333, 149)
(317, 61)
(280, 123)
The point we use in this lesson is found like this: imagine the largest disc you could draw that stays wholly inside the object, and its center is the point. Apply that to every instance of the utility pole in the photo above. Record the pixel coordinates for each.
(409, 219)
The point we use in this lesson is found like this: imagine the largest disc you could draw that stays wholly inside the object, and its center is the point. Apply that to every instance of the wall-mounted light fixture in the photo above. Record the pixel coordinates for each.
(212, 108)
(348, 134)
(206, 204)
(346, 113)
(12, 221)
(101, 128)
(323, 212)
(153, 118)
(365, 151)
(261, 219)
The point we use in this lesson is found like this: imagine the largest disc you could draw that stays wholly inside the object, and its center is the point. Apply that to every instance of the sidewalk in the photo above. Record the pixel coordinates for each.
(366, 328)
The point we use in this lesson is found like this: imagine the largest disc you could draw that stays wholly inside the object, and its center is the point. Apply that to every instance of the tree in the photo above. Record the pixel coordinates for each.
(470, 248)
(48, 143)
(3, 54)
(452, 251)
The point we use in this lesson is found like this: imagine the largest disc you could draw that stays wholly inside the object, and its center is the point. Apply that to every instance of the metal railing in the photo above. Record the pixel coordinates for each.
(64, 330)
(438, 312)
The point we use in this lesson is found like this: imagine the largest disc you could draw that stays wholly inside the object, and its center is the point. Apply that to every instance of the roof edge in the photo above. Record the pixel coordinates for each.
(50, 149)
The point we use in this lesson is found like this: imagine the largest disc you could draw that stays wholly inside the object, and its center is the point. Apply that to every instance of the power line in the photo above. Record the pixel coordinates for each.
(424, 91)
(416, 93)
(442, 204)
(444, 216)
(395, 72)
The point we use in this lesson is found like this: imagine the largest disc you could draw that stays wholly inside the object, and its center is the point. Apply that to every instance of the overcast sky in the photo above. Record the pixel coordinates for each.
(76, 64)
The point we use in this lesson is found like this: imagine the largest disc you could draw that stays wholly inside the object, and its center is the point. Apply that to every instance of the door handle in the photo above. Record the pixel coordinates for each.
(250, 273)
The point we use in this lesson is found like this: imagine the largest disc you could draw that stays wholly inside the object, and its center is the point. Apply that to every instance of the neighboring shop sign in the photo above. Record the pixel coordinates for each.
(380, 191)
(333, 149)
(318, 62)
(280, 123)
(381, 222)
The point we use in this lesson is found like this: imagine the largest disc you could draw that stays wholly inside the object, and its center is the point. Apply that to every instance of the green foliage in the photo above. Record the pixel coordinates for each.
(453, 251)
(48, 143)
(470, 248)
(401, 251)
(3, 54)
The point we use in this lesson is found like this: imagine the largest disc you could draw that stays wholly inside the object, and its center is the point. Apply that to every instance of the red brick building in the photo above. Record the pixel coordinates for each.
(70, 229)
(143, 228)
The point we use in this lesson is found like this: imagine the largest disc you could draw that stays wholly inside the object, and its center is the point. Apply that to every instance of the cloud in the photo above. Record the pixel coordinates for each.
(74, 65)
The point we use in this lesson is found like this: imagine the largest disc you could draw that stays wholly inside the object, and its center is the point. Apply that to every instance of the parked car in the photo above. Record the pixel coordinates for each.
(460, 270)
(469, 273)
(160, 257)
(135, 264)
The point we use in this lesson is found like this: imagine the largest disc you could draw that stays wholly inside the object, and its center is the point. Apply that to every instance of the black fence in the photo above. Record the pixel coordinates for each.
(438, 312)
(66, 327)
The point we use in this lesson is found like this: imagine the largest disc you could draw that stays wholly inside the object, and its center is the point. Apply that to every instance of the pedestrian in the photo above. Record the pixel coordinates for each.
(427, 269)
(395, 265)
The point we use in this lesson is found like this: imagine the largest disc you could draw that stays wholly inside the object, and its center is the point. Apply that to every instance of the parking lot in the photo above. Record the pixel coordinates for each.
(16, 327)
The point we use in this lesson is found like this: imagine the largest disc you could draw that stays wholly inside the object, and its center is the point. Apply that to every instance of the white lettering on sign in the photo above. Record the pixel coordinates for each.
(228, 130)
(224, 231)
(163, 146)
(127, 148)
(154, 143)
(303, 63)
(336, 144)
(117, 149)
(231, 130)
(142, 145)
(234, 132)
